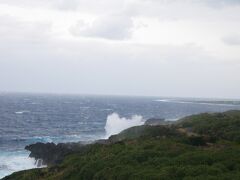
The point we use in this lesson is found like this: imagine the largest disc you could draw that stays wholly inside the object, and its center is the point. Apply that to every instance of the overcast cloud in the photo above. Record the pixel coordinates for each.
(116, 27)
(232, 40)
(187, 48)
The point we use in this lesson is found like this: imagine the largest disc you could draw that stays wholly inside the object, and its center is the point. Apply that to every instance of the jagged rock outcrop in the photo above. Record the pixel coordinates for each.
(204, 146)
(52, 154)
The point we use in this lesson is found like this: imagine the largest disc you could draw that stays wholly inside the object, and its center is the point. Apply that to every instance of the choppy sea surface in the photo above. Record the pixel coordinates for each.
(31, 118)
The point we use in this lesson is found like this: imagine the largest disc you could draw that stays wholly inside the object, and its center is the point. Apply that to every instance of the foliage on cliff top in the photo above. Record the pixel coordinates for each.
(158, 155)
(219, 125)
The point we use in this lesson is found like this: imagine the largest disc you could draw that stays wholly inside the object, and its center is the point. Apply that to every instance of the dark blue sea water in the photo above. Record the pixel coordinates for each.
(31, 118)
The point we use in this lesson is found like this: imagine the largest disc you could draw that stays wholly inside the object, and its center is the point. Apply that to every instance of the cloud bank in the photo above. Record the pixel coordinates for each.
(116, 27)
(130, 47)
(232, 40)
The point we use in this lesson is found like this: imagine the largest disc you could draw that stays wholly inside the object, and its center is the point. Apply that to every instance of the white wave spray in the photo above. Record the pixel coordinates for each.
(12, 162)
(115, 124)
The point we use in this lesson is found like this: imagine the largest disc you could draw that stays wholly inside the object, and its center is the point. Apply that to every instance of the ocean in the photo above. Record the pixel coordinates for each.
(31, 118)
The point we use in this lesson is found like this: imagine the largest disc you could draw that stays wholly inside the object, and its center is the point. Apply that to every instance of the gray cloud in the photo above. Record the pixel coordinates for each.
(233, 40)
(66, 5)
(116, 27)
(96, 6)
(106, 68)
(220, 3)
(89, 6)
(162, 9)
(14, 29)
(34, 59)
(209, 2)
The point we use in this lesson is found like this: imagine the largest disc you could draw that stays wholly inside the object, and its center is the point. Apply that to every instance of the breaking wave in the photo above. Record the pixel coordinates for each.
(12, 162)
(115, 124)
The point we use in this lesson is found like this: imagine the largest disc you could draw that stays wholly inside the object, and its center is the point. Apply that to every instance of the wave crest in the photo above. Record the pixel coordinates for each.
(115, 124)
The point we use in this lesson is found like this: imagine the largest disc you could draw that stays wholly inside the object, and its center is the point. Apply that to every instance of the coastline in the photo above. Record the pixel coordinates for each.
(186, 136)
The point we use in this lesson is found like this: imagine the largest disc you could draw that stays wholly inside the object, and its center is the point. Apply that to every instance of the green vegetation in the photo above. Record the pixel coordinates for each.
(219, 125)
(145, 131)
(204, 146)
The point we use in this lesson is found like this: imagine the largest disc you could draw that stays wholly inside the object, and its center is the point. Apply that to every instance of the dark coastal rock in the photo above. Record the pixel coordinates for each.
(205, 145)
(52, 154)
(156, 122)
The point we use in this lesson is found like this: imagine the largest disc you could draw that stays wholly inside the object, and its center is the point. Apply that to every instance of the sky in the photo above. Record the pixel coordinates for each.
(173, 48)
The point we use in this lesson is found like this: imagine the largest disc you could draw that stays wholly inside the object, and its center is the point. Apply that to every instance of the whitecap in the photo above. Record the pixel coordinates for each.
(115, 124)
(162, 100)
(22, 112)
(84, 107)
(106, 109)
(15, 161)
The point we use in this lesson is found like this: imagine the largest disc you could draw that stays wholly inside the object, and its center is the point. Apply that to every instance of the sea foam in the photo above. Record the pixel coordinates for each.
(115, 124)
(17, 161)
